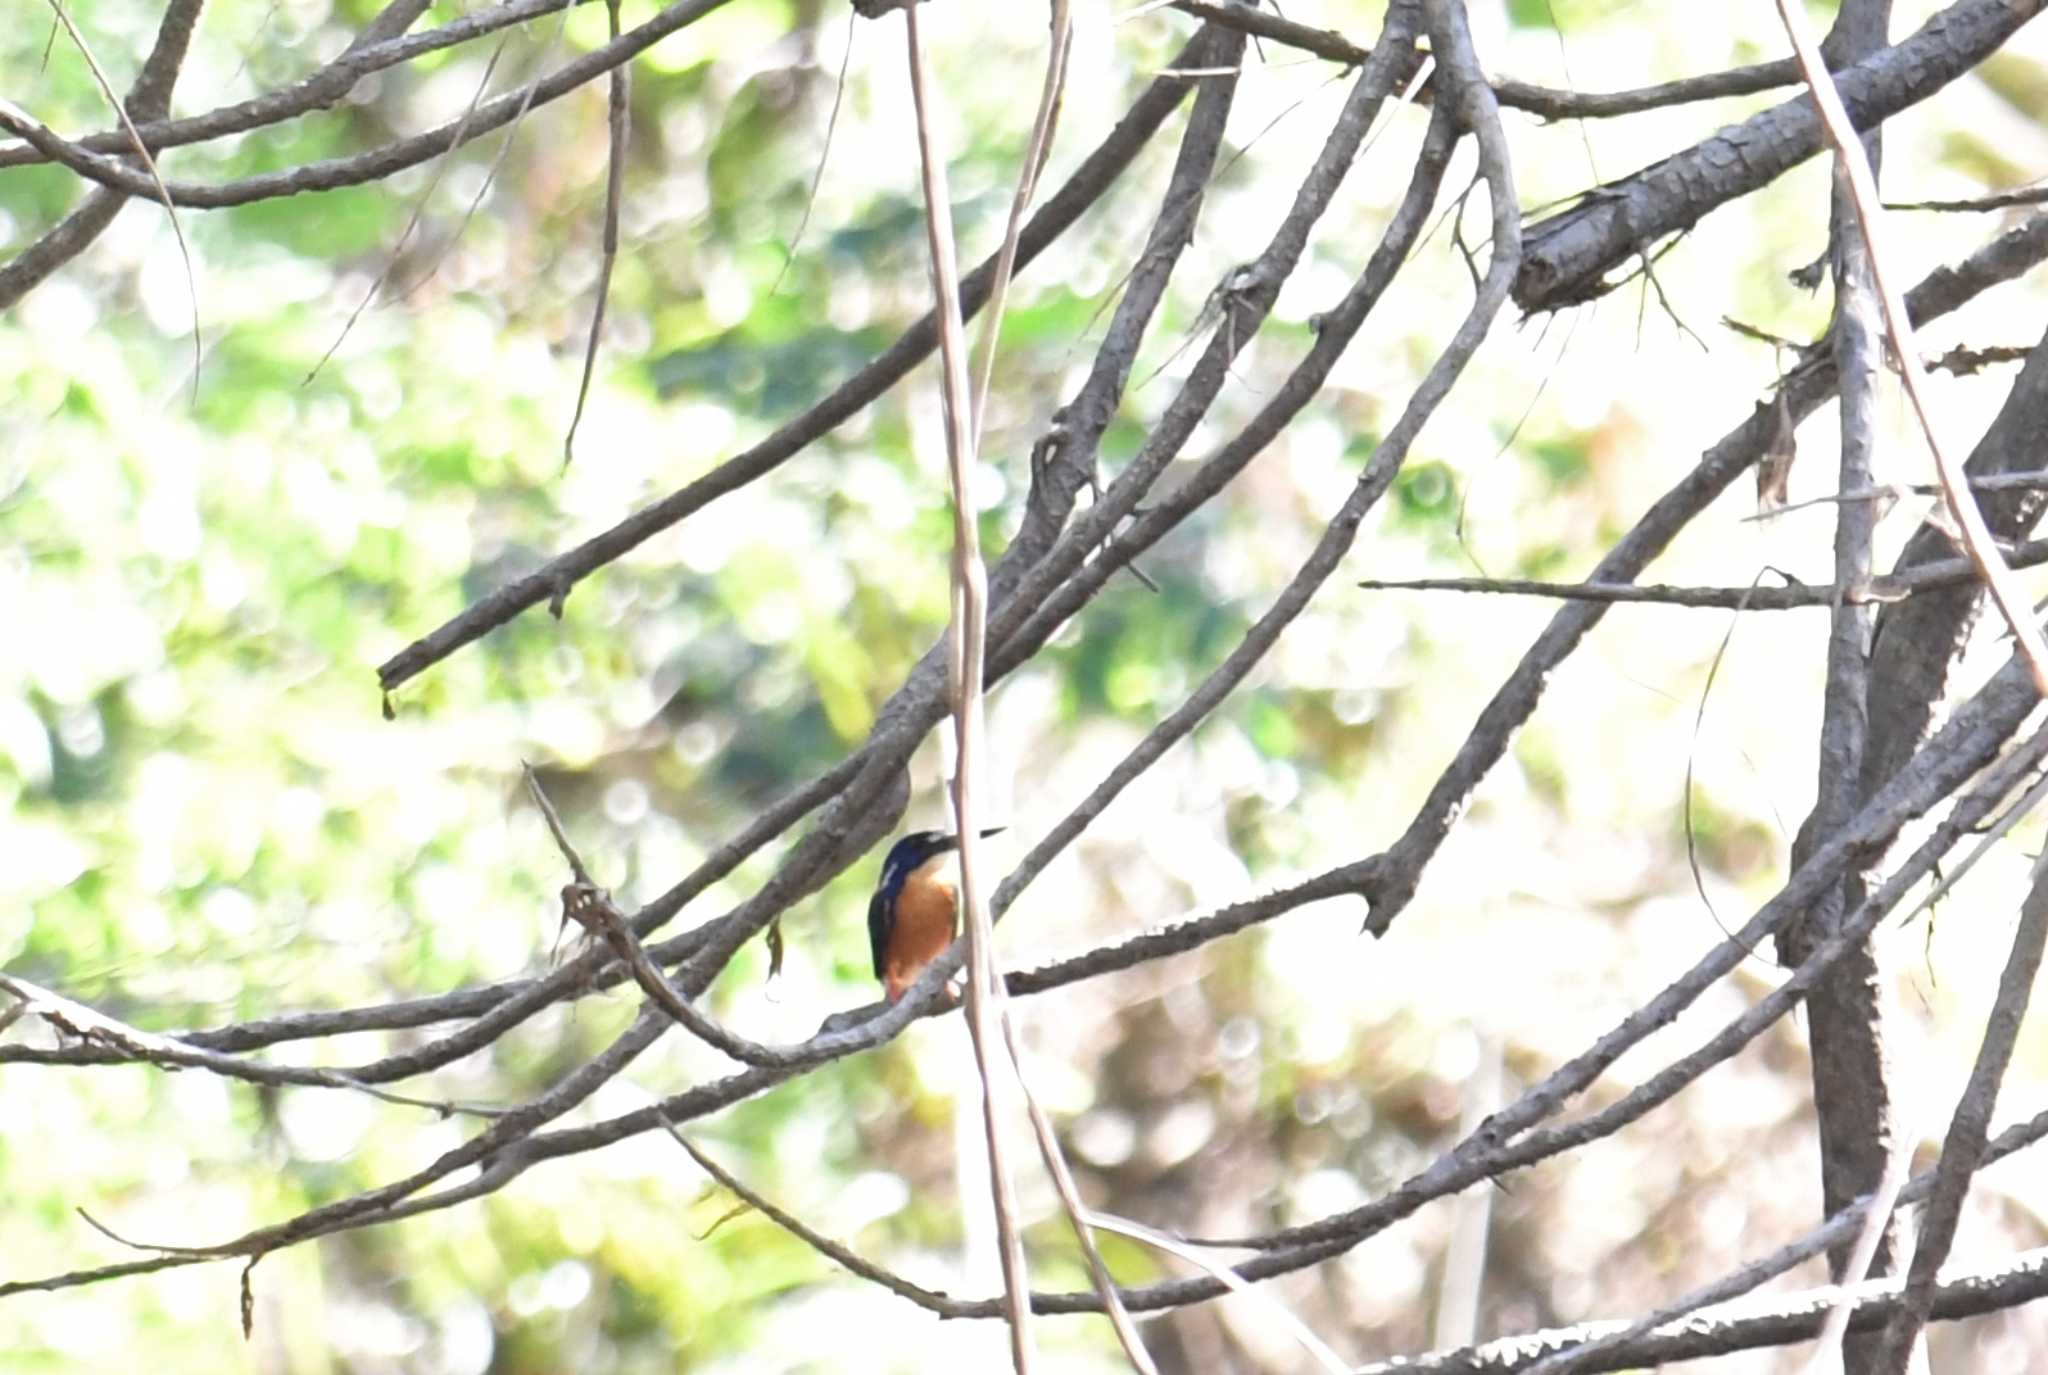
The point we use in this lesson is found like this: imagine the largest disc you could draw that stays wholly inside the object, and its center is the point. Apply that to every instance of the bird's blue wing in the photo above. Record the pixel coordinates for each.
(879, 922)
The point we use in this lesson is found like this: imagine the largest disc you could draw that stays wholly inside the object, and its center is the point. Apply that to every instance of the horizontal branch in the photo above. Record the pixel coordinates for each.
(377, 47)
(1516, 95)
(125, 1044)
(2003, 200)
(1799, 595)
(377, 163)
(1717, 1332)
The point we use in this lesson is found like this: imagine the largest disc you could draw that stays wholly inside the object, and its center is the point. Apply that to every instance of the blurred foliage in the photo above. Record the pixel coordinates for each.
(208, 820)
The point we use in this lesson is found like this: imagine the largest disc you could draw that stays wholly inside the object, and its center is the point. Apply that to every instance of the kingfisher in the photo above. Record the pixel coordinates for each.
(913, 916)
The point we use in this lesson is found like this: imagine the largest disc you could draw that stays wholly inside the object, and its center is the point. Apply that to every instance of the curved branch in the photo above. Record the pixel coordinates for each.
(148, 100)
(378, 163)
(381, 44)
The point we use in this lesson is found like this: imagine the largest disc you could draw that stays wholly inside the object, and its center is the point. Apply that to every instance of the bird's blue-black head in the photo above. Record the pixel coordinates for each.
(907, 854)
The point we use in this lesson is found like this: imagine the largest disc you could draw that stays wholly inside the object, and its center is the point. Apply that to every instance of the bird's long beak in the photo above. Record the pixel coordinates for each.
(953, 842)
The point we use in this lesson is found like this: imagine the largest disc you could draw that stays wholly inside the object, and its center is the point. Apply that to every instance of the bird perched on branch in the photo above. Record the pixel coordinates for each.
(913, 916)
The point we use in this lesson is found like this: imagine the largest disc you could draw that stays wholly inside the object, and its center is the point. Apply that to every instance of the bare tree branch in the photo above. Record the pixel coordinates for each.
(551, 584)
(1801, 393)
(148, 100)
(1569, 251)
(378, 163)
(382, 44)
(1513, 95)
(1962, 1152)
(967, 642)
(1893, 642)
(1780, 1322)
(1852, 1095)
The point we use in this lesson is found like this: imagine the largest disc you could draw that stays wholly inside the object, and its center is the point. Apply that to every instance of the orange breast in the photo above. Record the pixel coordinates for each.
(924, 928)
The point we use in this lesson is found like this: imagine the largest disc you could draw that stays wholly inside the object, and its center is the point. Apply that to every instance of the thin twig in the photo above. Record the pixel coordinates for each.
(855, 1262)
(1976, 535)
(1962, 1151)
(1084, 1222)
(163, 191)
(490, 176)
(1517, 95)
(2003, 200)
(966, 636)
(147, 100)
(824, 154)
(971, 634)
(93, 1028)
(1899, 491)
(1301, 1332)
(162, 1248)
(1692, 751)
(1798, 596)
(1036, 150)
(554, 823)
(419, 210)
(616, 118)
